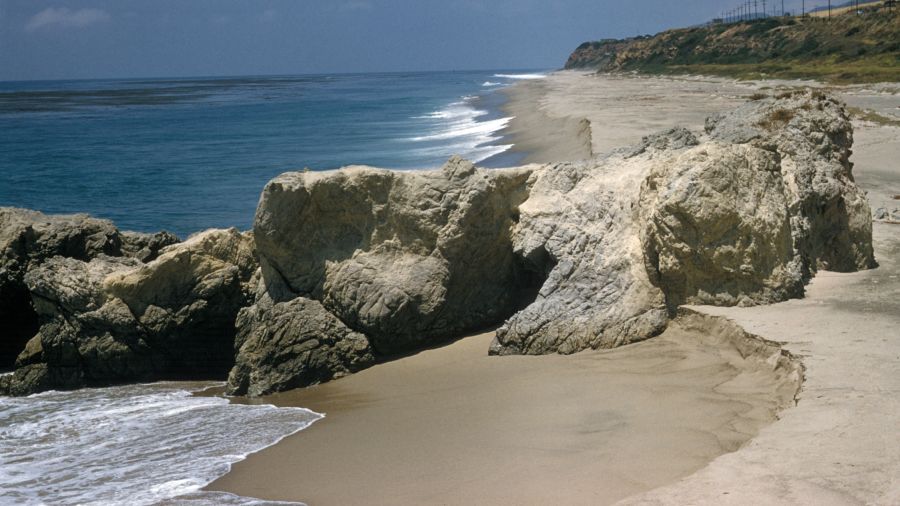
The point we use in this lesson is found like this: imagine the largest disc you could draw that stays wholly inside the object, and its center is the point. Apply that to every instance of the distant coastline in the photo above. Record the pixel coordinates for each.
(843, 49)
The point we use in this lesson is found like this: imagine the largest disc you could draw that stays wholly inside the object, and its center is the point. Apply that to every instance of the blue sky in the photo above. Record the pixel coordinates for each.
(141, 38)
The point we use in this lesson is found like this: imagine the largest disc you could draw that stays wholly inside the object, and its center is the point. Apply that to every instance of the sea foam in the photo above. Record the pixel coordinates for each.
(460, 128)
(521, 76)
(134, 445)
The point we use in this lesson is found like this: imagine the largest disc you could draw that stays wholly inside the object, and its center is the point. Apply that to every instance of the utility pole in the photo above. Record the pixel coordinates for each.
(829, 9)
(764, 8)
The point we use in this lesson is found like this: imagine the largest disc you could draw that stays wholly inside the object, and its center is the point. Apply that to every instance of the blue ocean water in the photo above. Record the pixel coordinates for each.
(189, 154)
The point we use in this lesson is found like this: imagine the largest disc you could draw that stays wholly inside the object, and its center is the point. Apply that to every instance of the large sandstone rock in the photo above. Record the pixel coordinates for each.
(745, 217)
(811, 136)
(113, 320)
(28, 238)
(405, 257)
(577, 226)
(715, 225)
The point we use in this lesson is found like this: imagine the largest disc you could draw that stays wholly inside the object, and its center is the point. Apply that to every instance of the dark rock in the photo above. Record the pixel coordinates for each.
(115, 320)
(28, 238)
(293, 344)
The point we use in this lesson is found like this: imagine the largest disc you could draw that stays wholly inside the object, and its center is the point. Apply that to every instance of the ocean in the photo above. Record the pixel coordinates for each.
(185, 155)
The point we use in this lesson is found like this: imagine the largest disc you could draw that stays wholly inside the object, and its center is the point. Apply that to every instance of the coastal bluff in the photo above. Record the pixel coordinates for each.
(344, 268)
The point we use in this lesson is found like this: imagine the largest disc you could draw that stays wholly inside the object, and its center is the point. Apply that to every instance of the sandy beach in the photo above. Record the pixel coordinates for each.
(455, 426)
(684, 418)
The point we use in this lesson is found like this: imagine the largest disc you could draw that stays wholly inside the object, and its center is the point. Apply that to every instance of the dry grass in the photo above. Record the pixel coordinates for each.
(776, 119)
(872, 117)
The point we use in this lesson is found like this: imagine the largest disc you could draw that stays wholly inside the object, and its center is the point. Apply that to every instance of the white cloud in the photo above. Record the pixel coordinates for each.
(63, 16)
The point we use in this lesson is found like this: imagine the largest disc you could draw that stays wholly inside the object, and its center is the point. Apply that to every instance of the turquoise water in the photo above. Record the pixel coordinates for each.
(189, 154)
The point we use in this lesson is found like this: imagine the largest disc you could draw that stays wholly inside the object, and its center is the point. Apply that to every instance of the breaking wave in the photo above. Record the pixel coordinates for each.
(132, 445)
(462, 129)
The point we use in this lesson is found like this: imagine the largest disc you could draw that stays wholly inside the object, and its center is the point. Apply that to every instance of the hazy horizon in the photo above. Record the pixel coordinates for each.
(107, 39)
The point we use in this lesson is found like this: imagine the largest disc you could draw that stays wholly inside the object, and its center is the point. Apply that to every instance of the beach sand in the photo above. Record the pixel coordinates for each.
(454, 426)
(657, 422)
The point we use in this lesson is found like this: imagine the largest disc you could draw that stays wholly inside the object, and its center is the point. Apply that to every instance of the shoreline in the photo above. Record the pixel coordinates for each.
(455, 426)
(621, 110)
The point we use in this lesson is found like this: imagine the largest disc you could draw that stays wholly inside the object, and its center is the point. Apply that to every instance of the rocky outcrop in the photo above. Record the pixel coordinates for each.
(749, 217)
(293, 344)
(716, 228)
(611, 247)
(362, 263)
(111, 320)
(404, 257)
(811, 137)
(28, 238)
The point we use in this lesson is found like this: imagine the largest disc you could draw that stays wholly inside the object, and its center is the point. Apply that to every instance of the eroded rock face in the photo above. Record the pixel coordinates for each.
(577, 224)
(28, 238)
(811, 137)
(404, 257)
(112, 320)
(292, 344)
(715, 227)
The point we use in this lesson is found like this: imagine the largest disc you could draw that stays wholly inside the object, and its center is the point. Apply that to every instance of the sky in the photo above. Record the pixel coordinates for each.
(77, 39)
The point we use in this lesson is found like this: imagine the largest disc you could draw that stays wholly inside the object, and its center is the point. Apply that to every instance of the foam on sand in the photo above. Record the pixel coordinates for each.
(135, 445)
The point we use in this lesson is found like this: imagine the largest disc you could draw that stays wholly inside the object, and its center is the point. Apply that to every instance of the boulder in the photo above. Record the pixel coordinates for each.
(114, 320)
(744, 216)
(407, 258)
(811, 137)
(716, 229)
(293, 344)
(28, 238)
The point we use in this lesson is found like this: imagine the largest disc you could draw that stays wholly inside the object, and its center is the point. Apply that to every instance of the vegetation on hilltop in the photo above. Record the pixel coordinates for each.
(846, 48)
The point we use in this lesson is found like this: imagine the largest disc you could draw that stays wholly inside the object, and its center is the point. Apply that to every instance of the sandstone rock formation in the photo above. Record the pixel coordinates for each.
(577, 227)
(28, 238)
(743, 215)
(363, 263)
(404, 257)
(748, 217)
(111, 320)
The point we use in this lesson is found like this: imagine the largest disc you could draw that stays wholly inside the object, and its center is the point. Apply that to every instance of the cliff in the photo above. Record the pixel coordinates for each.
(347, 267)
(845, 48)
